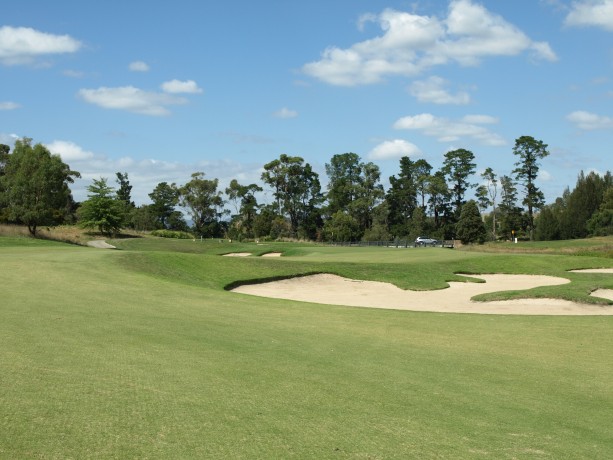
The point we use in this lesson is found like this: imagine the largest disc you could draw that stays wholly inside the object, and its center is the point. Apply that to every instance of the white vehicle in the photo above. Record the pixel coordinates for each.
(425, 241)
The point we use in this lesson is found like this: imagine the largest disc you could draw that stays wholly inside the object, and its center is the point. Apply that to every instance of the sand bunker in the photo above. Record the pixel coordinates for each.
(237, 254)
(100, 244)
(593, 270)
(335, 290)
(272, 254)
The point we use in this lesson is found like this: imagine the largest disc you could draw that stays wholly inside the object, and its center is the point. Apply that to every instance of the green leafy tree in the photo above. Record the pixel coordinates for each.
(511, 221)
(547, 225)
(458, 166)
(35, 184)
(379, 230)
(344, 181)
(124, 191)
(402, 198)
(354, 188)
(4, 157)
(246, 207)
(439, 201)
(342, 227)
(297, 192)
(165, 197)
(583, 202)
(204, 204)
(530, 151)
(142, 218)
(102, 210)
(422, 171)
(487, 194)
(601, 222)
(470, 227)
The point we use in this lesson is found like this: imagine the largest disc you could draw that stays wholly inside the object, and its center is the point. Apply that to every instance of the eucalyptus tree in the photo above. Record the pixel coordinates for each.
(344, 181)
(458, 166)
(245, 204)
(297, 192)
(204, 204)
(487, 194)
(36, 185)
(422, 171)
(354, 188)
(530, 151)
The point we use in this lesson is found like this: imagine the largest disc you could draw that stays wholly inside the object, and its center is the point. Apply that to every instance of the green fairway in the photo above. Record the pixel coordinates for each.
(142, 353)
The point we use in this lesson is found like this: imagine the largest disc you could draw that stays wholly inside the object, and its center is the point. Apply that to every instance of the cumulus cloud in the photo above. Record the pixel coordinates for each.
(589, 121)
(396, 148)
(285, 113)
(9, 105)
(69, 151)
(598, 13)
(411, 43)
(446, 130)
(178, 86)
(138, 66)
(434, 90)
(131, 99)
(22, 45)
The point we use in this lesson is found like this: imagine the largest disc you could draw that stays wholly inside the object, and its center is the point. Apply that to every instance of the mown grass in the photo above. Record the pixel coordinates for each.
(141, 353)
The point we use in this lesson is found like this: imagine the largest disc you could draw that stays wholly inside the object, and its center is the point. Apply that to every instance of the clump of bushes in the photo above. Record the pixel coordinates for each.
(173, 234)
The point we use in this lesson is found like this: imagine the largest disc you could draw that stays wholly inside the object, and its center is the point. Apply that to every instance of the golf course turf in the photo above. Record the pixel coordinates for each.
(141, 352)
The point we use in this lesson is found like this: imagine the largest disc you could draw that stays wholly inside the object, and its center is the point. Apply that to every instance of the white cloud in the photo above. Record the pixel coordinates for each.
(178, 86)
(545, 175)
(69, 151)
(22, 45)
(285, 113)
(434, 90)
(589, 121)
(73, 73)
(9, 105)
(138, 66)
(131, 99)
(597, 13)
(396, 148)
(143, 174)
(446, 130)
(412, 43)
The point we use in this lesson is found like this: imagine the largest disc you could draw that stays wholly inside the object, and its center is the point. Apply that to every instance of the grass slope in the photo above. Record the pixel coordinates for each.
(140, 353)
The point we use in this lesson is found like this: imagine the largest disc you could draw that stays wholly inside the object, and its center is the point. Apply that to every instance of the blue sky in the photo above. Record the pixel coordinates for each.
(164, 89)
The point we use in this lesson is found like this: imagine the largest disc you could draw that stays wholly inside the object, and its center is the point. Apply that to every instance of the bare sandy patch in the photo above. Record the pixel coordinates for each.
(272, 254)
(335, 290)
(237, 254)
(593, 270)
(100, 244)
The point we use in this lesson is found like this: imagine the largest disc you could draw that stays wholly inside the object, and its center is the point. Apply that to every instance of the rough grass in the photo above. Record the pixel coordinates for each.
(140, 353)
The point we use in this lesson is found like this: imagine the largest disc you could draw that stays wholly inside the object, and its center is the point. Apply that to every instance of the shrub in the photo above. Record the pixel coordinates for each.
(173, 234)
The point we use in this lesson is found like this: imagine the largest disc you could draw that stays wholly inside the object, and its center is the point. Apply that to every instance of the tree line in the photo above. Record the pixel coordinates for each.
(35, 191)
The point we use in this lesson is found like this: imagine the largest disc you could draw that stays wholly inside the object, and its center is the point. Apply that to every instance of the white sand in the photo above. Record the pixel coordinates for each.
(237, 254)
(335, 290)
(594, 270)
(100, 244)
(272, 254)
